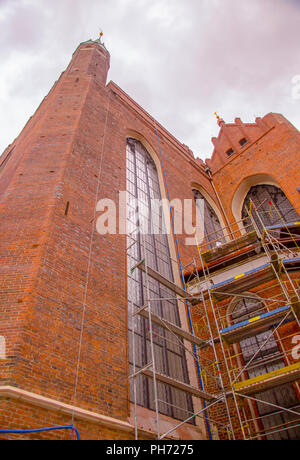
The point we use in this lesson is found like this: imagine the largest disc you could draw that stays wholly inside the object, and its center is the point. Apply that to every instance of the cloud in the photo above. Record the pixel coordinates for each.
(181, 60)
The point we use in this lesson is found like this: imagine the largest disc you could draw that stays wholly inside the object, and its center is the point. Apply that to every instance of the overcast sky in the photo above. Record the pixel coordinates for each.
(182, 60)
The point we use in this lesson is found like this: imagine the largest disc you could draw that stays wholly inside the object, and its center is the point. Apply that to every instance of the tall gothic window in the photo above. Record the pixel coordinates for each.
(152, 245)
(267, 360)
(273, 206)
(213, 232)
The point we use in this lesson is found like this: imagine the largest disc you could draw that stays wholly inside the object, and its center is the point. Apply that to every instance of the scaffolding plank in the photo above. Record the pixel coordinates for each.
(280, 226)
(253, 326)
(288, 235)
(294, 260)
(165, 282)
(230, 247)
(172, 327)
(180, 385)
(242, 282)
(265, 382)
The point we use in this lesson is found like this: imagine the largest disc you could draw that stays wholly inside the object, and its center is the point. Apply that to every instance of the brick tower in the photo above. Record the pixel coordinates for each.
(49, 181)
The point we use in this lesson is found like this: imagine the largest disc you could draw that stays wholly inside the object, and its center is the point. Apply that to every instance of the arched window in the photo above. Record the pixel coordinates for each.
(273, 206)
(142, 187)
(213, 232)
(267, 360)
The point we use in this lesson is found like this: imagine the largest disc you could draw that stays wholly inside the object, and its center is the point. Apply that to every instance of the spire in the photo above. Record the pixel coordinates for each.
(220, 121)
(99, 40)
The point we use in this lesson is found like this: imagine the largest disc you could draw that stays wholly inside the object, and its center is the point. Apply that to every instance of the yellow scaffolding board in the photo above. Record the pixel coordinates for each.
(264, 382)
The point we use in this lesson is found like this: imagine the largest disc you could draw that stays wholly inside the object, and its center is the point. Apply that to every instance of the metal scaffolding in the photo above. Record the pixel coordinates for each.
(182, 337)
(271, 283)
(233, 385)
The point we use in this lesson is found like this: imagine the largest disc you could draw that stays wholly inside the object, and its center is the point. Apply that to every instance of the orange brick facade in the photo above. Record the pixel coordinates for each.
(63, 284)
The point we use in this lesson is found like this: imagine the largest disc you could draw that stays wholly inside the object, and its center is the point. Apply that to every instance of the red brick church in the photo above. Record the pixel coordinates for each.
(139, 335)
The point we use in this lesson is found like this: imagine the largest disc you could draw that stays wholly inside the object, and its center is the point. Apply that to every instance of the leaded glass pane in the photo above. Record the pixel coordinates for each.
(272, 206)
(213, 232)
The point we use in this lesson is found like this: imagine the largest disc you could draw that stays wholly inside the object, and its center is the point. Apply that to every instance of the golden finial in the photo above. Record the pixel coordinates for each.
(220, 120)
(100, 37)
